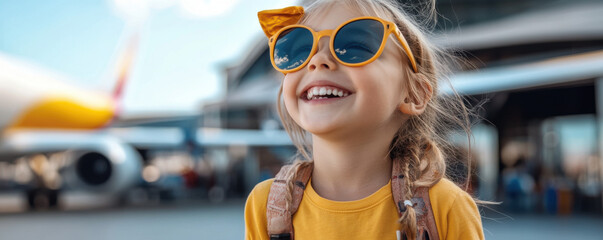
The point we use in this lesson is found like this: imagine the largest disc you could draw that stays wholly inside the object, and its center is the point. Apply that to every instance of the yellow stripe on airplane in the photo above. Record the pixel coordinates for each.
(63, 113)
(31, 97)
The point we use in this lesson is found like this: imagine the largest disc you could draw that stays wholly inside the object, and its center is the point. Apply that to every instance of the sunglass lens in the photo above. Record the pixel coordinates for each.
(358, 41)
(292, 48)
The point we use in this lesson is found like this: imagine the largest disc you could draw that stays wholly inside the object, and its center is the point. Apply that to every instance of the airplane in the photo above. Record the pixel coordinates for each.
(41, 115)
(42, 119)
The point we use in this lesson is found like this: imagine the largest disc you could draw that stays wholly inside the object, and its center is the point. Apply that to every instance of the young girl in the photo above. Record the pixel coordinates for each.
(359, 101)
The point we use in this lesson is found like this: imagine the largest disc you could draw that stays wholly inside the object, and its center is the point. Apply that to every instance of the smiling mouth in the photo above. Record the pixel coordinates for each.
(318, 92)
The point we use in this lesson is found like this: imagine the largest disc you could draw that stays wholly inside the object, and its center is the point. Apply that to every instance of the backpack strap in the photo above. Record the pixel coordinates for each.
(279, 214)
(426, 227)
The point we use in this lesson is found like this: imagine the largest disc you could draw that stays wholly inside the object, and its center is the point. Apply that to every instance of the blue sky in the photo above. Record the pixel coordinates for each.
(181, 53)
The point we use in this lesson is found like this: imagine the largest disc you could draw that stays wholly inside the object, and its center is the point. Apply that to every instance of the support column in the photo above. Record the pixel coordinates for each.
(599, 108)
(486, 149)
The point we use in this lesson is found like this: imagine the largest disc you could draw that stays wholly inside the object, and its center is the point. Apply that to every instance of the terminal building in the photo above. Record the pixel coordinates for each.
(536, 69)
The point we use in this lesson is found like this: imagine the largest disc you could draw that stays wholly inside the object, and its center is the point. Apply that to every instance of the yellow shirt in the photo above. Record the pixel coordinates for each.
(373, 217)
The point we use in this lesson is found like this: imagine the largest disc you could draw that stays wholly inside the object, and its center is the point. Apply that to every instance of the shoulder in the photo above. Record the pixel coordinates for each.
(446, 191)
(455, 211)
(259, 195)
(447, 195)
(255, 211)
(262, 189)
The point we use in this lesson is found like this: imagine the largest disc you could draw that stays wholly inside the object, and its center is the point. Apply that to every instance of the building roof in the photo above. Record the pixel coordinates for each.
(551, 72)
(564, 23)
(570, 22)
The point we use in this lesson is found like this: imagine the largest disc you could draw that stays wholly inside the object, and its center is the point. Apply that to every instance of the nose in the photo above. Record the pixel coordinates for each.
(322, 59)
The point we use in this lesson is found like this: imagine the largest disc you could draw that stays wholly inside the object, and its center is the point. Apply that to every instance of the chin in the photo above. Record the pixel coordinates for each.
(322, 127)
(318, 130)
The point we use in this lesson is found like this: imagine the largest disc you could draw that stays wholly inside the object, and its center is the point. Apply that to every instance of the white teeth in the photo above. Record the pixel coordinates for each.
(323, 92)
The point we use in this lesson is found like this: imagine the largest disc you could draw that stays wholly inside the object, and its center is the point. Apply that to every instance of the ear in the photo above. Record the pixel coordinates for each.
(416, 105)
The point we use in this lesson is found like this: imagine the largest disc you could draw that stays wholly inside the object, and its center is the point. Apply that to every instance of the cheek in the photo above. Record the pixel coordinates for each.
(395, 63)
(394, 81)
(290, 83)
(381, 85)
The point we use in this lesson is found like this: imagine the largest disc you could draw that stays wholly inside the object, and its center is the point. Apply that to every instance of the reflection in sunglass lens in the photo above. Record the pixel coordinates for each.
(358, 41)
(292, 48)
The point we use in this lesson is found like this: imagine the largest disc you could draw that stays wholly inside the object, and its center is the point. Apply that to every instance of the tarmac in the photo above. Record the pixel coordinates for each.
(206, 220)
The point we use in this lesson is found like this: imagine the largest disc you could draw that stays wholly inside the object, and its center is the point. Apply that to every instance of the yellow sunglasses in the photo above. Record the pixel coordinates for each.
(356, 42)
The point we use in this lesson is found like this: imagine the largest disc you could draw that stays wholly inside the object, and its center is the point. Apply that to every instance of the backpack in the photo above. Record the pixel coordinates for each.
(279, 211)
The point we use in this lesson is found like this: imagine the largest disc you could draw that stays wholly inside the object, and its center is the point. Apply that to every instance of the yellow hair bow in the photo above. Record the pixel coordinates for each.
(275, 19)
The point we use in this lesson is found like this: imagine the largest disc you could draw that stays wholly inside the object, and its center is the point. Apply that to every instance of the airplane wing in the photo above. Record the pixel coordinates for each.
(46, 141)
(173, 137)
(209, 137)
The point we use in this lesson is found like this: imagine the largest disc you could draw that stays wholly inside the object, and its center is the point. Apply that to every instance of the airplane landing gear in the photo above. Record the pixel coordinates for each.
(42, 198)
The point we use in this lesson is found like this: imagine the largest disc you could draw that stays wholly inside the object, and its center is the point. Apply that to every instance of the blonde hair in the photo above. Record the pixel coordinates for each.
(422, 137)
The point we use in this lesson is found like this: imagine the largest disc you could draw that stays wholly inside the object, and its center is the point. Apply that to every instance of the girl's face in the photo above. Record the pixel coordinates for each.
(370, 94)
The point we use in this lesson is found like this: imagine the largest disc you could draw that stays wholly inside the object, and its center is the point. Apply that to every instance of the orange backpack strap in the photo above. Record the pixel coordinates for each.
(426, 227)
(279, 212)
